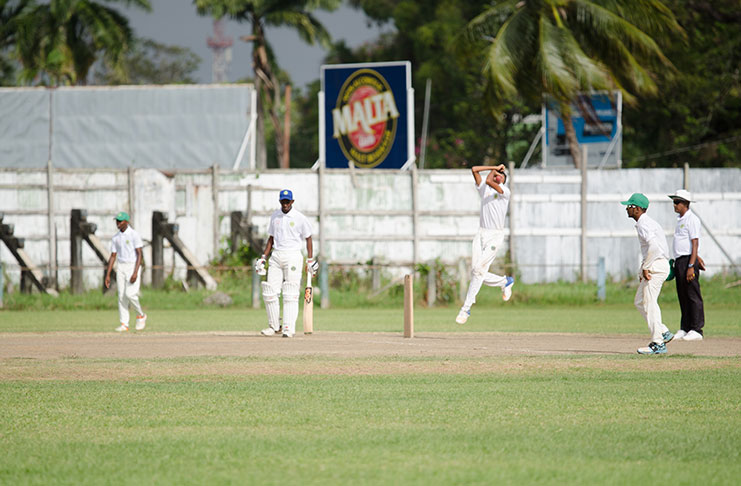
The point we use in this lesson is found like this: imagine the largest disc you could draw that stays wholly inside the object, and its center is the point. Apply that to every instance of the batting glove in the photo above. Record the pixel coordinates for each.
(312, 266)
(260, 266)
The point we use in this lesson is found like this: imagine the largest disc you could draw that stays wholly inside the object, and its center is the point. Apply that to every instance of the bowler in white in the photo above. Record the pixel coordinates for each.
(490, 236)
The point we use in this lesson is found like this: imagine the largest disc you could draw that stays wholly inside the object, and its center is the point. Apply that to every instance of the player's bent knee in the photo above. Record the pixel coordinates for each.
(478, 272)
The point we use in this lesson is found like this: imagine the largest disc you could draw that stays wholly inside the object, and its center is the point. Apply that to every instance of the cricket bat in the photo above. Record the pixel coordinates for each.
(308, 305)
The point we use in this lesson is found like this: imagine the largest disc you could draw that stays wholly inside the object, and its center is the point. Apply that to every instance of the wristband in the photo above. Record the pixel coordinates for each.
(690, 265)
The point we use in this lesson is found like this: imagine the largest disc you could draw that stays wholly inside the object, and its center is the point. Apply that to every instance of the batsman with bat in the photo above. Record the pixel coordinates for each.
(494, 204)
(288, 229)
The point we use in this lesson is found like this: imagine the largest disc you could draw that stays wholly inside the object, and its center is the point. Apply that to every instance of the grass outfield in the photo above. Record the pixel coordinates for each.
(600, 421)
(573, 419)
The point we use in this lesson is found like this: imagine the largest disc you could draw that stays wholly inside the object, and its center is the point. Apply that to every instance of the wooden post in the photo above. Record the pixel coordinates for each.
(583, 245)
(75, 246)
(408, 306)
(158, 257)
(286, 162)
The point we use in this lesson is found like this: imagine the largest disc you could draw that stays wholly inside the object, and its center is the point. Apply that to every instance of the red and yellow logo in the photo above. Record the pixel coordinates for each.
(365, 118)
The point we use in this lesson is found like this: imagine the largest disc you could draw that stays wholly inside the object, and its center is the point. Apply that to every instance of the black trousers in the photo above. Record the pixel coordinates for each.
(690, 297)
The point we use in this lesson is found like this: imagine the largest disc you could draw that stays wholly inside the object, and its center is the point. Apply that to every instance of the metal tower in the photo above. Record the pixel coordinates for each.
(221, 45)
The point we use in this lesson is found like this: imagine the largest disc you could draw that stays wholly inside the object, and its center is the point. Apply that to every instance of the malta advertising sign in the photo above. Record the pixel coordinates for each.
(597, 121)
(366, 115)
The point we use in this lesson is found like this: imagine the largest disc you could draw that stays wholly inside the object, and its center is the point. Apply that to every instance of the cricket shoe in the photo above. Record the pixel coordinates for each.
(507, 290)
(693, 336)
(122, 328)
(141, 322)
(679, 335)
(667, 336)
(269, 331)
(287, 334)
(653, 348)
(462, 316)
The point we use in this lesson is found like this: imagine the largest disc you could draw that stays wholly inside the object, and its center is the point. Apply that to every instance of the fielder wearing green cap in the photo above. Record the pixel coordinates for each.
(126, 254)
(653, 272)
(637, 199)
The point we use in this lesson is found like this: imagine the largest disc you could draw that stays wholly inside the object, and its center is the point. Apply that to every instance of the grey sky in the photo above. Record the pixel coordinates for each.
(175, 22)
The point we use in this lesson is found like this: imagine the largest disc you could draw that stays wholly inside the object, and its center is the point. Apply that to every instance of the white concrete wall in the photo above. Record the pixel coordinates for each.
(546, 206)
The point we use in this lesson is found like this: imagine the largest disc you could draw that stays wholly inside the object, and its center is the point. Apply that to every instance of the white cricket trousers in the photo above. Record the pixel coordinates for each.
(128, 293)
(647, 299)
(284, 274)
(484, 249)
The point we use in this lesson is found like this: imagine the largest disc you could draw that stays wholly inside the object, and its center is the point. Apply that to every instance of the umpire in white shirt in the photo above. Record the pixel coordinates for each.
(687, 266)
(287, 232)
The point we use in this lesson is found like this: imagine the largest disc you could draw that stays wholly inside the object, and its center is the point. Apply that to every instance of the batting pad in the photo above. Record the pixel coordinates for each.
(271, 305)
(290, 306)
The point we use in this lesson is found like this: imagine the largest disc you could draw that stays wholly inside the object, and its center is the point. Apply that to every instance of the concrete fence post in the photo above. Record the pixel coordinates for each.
(601, 275)
(431, 286)
(324, 283)
(256, 287)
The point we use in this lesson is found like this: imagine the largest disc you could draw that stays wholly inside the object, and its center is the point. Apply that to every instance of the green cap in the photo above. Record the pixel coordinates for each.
(637, 199)
(122, 216)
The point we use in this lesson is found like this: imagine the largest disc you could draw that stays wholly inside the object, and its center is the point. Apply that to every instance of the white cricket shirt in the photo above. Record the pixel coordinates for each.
(493, 206)
(651, 233)
(124, 245)
(289, 231)
(687, 229)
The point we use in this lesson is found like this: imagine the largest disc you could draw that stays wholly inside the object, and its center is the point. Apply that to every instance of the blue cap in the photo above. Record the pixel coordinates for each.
(286, 194)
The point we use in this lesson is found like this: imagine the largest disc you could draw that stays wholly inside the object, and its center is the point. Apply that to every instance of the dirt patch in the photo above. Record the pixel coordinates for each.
(205, 369)
(99, 356)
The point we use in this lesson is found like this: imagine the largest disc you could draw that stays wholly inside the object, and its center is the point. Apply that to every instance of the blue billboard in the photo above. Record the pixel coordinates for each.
(367, 115)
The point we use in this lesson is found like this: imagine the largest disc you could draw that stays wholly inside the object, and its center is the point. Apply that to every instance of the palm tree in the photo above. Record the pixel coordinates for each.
(61, 40)
(11, 12)
(295, 14)
(559, 48)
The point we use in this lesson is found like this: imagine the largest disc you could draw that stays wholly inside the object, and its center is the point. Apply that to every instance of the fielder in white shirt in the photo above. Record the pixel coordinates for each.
(490, 236)
(288, 230)
(126, 253)
(653, 272)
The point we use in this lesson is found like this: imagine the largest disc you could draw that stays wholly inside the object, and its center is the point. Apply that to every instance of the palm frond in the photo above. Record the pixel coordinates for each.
(308, 27)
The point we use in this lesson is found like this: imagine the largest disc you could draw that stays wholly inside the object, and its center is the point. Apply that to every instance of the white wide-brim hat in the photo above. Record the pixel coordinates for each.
(681, 194)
